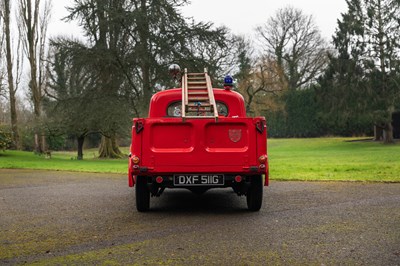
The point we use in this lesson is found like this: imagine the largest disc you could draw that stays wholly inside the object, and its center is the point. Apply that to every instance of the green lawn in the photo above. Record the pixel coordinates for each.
(333, 159)
(290, 159)
(63, 161)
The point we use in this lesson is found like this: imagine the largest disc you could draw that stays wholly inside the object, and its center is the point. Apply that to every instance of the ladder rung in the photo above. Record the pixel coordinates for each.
(193, 110)
(195, 74)
(197, 83)
(199, 109)
(205, 106)
(202, 105)
(197, 88)
(196, 98)
(197, 92)
(201, 117)
(196, 78)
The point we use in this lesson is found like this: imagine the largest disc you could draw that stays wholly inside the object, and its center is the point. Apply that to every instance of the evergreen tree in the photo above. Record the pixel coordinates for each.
(131, 45)
(155, 34)
(70, 107)
(363, 77)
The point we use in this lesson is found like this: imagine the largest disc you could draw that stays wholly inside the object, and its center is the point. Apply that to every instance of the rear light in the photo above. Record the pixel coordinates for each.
(238, 179)
(263, 159)
(159, 179)
(135, 159)
(262, 166)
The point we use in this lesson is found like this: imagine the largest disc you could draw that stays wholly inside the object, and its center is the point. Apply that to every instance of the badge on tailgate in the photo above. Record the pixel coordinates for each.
(235, 135)
(199, 180)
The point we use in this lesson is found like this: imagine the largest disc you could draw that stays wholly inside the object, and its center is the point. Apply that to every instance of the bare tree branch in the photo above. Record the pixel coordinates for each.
(32, 29)
(294, 41)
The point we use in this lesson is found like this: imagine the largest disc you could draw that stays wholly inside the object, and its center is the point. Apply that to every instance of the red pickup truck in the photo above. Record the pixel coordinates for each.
(198, 137)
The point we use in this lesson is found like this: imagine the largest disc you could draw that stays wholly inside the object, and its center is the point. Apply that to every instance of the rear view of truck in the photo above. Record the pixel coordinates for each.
(198, 138)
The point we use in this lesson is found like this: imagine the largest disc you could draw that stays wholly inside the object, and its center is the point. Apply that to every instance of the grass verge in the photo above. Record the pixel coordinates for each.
(63, 161)
(338, 159)
(320, 159)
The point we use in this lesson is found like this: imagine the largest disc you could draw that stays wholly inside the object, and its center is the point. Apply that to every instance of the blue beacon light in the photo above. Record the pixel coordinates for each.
(228, 82)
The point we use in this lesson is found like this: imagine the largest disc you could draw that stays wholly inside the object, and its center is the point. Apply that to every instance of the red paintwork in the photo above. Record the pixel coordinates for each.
(167, 145)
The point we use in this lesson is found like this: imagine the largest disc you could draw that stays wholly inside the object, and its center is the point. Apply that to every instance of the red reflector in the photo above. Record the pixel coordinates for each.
(159, 179)
(263, 159)
(135, 159)
(262, 166)
(238, 179)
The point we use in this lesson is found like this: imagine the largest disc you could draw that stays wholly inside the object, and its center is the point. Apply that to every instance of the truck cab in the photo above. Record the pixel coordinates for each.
(198, 140)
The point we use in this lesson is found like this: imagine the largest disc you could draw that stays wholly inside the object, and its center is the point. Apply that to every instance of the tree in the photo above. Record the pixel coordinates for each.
(257, 78)
(156, 35)
(261, 85)
(11, 82)
(294, 56)
(67, 99)
(294, 42)
(364, 75)
(33, 22)
(103, 21)
(5, 139)
(131, 45)
(2, 73)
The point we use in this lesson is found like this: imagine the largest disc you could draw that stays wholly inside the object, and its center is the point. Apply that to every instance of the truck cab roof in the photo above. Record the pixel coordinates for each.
(229, 103)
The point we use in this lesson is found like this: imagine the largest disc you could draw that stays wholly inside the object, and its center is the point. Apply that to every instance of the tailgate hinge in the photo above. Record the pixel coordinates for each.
(139, 126)
(260, 126)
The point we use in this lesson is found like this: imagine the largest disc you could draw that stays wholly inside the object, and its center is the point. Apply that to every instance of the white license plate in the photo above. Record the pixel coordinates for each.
(199, 180)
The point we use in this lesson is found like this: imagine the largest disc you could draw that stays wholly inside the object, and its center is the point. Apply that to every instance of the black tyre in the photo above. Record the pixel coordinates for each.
(142, 194)
(255, 194)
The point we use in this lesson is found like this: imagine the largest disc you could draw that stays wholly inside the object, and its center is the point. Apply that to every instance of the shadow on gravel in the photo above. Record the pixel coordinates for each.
(221, 201)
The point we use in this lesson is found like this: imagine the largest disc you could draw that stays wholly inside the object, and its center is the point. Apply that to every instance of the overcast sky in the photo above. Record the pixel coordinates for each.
(240, 16)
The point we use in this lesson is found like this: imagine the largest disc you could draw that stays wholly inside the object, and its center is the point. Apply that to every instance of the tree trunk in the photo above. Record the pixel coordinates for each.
(144, 36)
(378, 133)
(37, 98)
(388, 134)
(39, 136)
(81, 140)
(14, 122)
(249, 102)
(109, 148)
(11, 87)
(29, 16)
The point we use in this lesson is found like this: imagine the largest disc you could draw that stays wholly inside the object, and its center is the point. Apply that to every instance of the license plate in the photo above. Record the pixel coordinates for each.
(199, 180)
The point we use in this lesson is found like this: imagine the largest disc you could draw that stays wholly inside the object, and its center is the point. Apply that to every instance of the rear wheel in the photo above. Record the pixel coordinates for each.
(142, 194)
(255, 194)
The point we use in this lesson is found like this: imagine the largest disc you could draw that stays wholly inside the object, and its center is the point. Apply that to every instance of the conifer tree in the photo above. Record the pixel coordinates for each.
(363, 76)
(131, 44)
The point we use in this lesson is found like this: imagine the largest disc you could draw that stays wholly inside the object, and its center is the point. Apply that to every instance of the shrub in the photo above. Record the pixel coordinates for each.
(5, 138)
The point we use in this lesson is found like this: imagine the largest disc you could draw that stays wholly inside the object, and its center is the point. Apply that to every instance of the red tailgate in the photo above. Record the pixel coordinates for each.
(199, 145)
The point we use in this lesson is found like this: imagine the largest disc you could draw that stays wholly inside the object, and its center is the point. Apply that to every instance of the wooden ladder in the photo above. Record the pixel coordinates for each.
(198, 96)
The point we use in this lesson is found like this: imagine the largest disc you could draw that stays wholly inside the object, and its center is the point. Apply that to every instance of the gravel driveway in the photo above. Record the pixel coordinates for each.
(80, 218)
